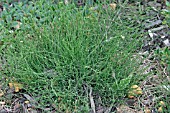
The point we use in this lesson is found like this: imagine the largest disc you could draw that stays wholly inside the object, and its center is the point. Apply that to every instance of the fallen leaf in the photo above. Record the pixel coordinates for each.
(139, 91)
(160, 109)
(134, 86)
(161, 103)
(26, 102)
(10, 85)
(16, 89)
(1, 93)
(16, 86)
(113, 6)
(147, 110)
(135, 90)
(131, 95)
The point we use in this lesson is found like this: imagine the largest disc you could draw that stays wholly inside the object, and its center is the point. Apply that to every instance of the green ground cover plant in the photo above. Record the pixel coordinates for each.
(61, 52)
(166, 13)
(163, 89)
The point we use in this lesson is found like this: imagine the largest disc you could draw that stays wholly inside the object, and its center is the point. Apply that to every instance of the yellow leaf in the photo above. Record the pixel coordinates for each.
(139, 91)
(16, 86)
(26, 102)
(134, 86)
(160, 109)
(1, 93)
(161, 103)
(17, 89)
(113, 6)
(130, 96)
(147, 110)
(135, 90)
(10, 85)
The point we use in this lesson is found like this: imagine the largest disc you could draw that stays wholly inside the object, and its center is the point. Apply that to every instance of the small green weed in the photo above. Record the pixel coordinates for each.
(164, 56)
(166, 13)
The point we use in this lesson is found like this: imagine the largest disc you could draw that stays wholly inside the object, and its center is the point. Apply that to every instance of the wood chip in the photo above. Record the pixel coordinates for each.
(125, 109)
(166, 42)
(152, 24)
(2, 103)
(92, 101)
(150, 33)
(30, 99)
(109, 109)
(159, 28)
